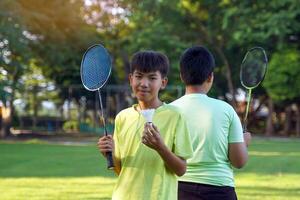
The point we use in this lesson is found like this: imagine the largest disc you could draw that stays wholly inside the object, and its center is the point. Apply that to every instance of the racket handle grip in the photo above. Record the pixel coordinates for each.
(110, 162)
(245, 127)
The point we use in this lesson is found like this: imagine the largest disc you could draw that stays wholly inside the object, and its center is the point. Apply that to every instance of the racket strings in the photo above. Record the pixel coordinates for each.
(253, 68)
(95, 68)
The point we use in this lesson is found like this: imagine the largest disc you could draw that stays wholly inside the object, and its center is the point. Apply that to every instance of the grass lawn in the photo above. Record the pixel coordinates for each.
(40, 171)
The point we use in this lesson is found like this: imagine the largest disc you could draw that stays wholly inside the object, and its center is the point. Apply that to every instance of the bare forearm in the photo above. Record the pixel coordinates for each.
(238, 154)
(173, 162)
(106, 145)
(152, 139)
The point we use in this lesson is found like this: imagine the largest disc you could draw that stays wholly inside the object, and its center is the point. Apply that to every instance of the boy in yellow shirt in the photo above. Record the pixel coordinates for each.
(148, 156)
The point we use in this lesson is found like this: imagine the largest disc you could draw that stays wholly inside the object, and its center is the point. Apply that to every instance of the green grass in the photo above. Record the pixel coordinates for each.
(53, 172)
(272, 172)
(41, 171)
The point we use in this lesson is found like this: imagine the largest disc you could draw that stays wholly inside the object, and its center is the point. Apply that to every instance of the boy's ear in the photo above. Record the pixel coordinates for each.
(130, 78)
(181, 78)
(210, 78)
(164, 83)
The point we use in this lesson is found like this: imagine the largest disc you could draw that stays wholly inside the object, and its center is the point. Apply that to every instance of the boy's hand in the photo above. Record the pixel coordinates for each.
(106, 144)
(151, 137)
(247, 138)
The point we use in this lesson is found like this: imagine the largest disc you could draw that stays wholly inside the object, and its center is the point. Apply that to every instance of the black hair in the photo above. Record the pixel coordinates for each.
(196, 64)
(150, 61)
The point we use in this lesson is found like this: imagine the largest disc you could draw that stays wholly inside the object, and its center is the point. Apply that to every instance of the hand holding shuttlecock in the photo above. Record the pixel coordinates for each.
(148, 115)
(151, 136)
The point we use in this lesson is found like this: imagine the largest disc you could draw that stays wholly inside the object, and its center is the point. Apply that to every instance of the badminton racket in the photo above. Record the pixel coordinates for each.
(252, 73)
(95, 71)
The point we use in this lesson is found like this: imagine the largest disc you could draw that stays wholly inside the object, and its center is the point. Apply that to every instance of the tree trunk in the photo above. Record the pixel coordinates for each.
(287, 122)
(218, 47)
(5, 131)
(35, 107)
(228, 76)
(297, 120)
(5, 126)
(269, 126)
(7, 120)
(69, 103)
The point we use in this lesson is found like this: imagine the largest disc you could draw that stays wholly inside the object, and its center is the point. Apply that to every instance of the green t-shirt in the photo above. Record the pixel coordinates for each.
(213, 124)
(144, 175)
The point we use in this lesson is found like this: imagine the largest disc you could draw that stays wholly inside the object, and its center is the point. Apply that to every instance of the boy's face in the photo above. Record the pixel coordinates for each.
(146, 86)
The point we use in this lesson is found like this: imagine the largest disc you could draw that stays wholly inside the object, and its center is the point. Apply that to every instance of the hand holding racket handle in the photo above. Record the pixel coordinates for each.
(244, 127)
(106, 147)
(247, 138)
(109, 158)
(110, 162)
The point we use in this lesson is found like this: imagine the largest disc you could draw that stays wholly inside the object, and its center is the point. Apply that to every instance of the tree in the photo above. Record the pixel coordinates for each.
(54, 33)
(283, 82)
(62, 36)
(273, 25)
(35, 90)
(14, 54)
(167, 26)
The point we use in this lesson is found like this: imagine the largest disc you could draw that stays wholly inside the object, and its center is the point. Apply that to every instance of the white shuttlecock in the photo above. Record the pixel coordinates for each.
(148, 114)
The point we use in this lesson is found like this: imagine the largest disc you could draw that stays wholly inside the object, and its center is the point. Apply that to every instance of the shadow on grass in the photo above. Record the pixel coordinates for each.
(268, 191)
(273, 157)
(52, 160)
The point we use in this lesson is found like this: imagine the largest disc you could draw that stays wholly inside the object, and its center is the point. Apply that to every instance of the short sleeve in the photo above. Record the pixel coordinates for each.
(117, 153)
(235, 130)
(182, 145)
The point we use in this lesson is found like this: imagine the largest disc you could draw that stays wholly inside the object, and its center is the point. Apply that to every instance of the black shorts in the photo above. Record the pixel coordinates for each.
(198, 191)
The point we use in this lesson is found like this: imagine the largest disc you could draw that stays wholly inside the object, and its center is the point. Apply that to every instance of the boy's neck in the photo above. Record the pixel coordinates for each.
(150, 105)
(194, 89)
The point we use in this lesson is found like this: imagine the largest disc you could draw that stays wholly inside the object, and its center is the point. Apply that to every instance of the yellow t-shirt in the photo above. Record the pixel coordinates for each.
(144, 175)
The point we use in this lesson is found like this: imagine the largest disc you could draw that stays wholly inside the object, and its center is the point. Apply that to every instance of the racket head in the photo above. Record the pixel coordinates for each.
(95, 67)
(253, 68)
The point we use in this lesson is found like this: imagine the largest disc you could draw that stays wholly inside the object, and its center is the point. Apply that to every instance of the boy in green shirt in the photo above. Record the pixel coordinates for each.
(216, 132)
(148, 156)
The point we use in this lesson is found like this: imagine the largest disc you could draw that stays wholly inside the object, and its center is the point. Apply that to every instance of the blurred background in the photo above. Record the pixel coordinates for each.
(42, 43)
(49, 124)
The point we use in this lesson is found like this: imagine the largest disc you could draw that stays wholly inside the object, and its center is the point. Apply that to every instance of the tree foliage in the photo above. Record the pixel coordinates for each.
(283, 80)
(61, 36)
(54, 35)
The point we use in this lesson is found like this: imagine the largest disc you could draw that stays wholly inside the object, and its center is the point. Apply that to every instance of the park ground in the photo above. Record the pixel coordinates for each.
(62, 168)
